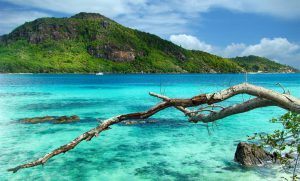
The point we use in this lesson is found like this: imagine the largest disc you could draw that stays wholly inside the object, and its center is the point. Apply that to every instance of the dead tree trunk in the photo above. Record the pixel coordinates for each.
(264, 97)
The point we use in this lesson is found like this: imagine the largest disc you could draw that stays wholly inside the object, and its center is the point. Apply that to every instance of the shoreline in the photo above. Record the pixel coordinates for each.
(136, 73)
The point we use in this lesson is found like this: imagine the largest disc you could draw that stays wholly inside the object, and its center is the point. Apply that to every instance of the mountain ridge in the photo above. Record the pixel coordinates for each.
(91, 42)
(258, 64)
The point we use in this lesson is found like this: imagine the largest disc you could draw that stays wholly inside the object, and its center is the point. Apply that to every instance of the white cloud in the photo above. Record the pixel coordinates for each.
(271, 47)
(233, 49)
(155, 17)
(162, 17)
(281, 8)
(109, 8)
(190, 42)
(277, 49)
(159, 24)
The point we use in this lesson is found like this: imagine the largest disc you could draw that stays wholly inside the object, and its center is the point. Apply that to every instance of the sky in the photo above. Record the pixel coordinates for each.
(229, 28)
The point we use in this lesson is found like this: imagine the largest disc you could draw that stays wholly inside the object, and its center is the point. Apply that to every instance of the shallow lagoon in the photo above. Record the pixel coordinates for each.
(171, 149)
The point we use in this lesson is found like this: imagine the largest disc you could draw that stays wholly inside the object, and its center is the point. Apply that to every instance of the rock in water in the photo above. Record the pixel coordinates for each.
(132, 122)
(52, 119)
(66, 119)
(252, 155)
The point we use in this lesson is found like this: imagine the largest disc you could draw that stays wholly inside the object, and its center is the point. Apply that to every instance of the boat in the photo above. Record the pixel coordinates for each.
(99, 73)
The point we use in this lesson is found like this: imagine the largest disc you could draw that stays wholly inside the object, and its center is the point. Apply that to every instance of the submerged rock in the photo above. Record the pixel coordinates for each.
(252, 155)
(52, 119)
(131, 122)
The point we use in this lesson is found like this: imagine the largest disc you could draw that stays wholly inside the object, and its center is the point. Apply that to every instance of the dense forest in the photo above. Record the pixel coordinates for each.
(260, 64)
(90, 42)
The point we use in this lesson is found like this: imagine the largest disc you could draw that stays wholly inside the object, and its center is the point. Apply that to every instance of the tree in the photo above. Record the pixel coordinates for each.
(206, 102)
(284, 143)
(255, 68)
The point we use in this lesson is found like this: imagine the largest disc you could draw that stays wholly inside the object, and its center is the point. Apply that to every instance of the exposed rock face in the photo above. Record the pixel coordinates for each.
(52, 119)
(180, 56)
(121, 55)
(112, 52)
(2, 38)
(42, 30)
(105, 24)
(176, 54)
(251, 155)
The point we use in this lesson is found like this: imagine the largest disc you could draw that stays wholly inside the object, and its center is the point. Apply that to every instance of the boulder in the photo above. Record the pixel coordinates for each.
(252, 155)
(104, 24)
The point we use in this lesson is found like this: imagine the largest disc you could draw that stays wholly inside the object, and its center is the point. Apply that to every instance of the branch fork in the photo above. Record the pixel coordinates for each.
(264, 97)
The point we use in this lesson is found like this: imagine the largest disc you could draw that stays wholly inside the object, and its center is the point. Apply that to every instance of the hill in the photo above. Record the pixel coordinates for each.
(260, 64)
(90, 42)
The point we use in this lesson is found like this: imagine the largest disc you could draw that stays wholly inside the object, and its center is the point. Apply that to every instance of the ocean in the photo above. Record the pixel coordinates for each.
(171, 148)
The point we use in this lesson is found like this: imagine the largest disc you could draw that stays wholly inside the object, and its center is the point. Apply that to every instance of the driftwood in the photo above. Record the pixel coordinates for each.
(264, 97)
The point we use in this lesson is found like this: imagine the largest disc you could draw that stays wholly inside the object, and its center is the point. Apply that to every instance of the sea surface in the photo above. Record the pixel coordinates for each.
(169, 149)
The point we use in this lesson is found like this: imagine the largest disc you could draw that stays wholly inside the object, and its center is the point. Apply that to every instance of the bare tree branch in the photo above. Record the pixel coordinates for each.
(231, 110)
(265, 98)
(186, 111)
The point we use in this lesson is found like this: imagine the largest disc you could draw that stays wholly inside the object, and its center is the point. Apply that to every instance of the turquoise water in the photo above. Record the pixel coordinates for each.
(170, 149)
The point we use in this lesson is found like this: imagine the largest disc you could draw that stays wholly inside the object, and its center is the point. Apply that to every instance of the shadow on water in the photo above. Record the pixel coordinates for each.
(267, 171)
(163, 169)
(64, 104)
(84, 120)
(55, 130)
(144, 124)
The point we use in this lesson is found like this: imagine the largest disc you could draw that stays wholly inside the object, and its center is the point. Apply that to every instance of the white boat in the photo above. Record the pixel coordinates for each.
(99, 73)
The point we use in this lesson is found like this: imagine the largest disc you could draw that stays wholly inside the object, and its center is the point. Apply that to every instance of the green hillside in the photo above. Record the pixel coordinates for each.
(260, 64)
(90, 42)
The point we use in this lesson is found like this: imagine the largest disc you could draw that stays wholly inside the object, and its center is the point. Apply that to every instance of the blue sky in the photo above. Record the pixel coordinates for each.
(227, 28)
